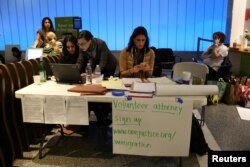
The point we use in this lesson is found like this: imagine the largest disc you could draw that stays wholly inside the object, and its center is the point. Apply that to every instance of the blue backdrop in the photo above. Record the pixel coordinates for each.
(170, 23)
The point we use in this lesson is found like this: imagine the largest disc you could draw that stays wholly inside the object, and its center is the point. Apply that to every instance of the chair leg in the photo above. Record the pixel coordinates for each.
(203, 109)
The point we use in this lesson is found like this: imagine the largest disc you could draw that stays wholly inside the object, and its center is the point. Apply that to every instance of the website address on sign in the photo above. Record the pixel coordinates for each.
(169, 136)
(132, 144)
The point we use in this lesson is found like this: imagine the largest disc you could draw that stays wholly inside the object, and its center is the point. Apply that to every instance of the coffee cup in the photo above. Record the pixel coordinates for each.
(186, 77)
(36, 79)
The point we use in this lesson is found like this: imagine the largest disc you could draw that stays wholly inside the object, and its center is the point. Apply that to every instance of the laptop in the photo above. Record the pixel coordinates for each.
(33, 53)
(66, 73)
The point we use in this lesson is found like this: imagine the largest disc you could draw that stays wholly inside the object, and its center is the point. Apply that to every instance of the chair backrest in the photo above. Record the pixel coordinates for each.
(14, 75)
(165, 54)
(35, 64)
(29, 69)
(197, 70)
(56, 58)
(7, 144)
(224, 71)
(22, 72)
(10, 113)
(47, 60)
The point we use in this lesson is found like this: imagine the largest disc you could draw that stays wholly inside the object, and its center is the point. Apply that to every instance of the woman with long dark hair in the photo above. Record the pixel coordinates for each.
(70, 50)
(47, 26)
(137, 59)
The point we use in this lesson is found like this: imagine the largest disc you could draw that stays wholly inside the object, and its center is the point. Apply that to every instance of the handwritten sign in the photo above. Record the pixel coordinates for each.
(152, 127)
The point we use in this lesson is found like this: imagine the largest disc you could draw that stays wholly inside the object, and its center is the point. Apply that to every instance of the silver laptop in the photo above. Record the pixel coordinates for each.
(66, 73)
(33, 53)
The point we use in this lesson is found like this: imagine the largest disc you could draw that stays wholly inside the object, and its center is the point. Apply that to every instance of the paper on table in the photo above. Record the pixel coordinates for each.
(140, 95)
(145, 87)
(32, 108)
(77, 110)
(244, 113)
(129, 81)
(55, 110)
(114, 83)
(185, 90)
(162, 80)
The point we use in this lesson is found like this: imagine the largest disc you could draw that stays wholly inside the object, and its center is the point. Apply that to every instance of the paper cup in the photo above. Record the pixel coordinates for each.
(186, 77)
(36, 79)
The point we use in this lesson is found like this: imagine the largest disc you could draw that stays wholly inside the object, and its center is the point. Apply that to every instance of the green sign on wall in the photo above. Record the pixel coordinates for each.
(64, 27)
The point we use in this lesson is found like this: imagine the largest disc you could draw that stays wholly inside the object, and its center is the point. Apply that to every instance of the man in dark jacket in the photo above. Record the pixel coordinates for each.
(96, 52)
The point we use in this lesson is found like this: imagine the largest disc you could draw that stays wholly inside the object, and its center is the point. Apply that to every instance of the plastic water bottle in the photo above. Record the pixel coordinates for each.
(89, 74)
(42, 71)
(97, 71)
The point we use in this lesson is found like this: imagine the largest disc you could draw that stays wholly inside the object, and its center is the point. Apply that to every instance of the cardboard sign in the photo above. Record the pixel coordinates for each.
(152, 127)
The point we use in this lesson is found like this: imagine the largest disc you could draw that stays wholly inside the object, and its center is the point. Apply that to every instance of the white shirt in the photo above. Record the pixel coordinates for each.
(215, 63)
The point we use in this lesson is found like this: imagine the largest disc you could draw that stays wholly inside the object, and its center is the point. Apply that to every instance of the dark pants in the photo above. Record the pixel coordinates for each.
(101, 111)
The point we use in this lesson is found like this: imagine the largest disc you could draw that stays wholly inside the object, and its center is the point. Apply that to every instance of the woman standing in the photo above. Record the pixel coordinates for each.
(47, 26)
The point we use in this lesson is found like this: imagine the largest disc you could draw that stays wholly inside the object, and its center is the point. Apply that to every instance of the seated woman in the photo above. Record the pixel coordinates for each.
(215, 54)
(70, 50)
(137, 59)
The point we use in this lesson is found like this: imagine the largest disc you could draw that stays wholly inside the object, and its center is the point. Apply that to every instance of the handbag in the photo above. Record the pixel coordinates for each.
(221, 86)
(232, 92)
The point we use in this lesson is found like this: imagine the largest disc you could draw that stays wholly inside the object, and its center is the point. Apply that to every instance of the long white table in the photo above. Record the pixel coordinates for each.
(49, 113)
(180, 124)
(57, 89)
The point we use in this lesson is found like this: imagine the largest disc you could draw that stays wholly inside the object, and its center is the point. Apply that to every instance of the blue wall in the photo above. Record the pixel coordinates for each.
(170, 23)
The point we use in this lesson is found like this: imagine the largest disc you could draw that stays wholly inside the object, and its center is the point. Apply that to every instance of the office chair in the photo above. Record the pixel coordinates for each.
(198, 70)
(166, 57)
(164, 61)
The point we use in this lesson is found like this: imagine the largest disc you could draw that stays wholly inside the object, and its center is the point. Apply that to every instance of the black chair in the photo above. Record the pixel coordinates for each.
(223, 72)
(164, 59)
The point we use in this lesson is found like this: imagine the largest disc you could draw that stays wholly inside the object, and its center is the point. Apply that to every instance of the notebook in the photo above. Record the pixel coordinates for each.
(66, 73)
(33, 53)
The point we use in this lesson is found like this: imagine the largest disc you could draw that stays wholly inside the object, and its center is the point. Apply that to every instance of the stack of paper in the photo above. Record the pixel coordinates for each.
(143, 87)
(113, 83)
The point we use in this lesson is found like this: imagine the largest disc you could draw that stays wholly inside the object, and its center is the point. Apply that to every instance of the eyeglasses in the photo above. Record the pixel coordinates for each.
(83, 43)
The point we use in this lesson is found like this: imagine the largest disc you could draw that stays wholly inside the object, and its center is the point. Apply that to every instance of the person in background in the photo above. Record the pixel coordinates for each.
(2, 59)
(47, 26)
(96, 52)
(215, 54)
(69, 55)
(70, 50)
(137, 59)
(52, 47)
(16, 53)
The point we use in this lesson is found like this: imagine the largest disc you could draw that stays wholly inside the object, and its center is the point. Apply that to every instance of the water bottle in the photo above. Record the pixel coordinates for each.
(88, 74)
(42, 71)
(97, 71)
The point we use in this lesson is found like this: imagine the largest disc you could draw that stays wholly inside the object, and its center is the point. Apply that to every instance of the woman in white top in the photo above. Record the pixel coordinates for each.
(215, 54)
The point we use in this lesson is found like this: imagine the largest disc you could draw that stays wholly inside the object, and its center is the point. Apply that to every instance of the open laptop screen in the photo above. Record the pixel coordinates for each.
(33, 53)
(66, 73)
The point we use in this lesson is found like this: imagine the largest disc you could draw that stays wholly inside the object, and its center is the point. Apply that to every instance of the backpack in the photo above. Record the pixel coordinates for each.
(198, 143)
